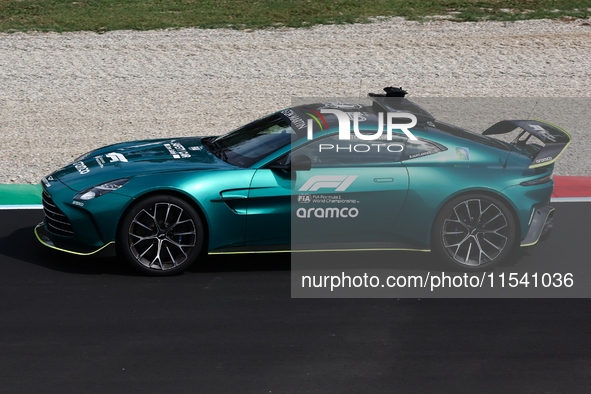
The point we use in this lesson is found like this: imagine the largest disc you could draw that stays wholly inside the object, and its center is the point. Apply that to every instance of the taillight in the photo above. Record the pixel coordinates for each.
(539, 181)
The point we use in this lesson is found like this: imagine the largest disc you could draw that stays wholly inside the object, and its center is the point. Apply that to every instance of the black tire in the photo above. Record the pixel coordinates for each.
(161, 235)
(473, 232)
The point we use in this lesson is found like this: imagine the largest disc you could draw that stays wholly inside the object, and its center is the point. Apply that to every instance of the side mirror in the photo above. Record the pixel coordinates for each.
(301, 163)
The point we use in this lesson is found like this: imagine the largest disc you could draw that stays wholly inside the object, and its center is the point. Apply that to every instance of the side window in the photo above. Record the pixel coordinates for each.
(332, 152)
(420, 148)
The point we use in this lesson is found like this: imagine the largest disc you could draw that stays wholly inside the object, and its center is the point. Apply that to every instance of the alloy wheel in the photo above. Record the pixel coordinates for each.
(161, 236)
(475, 232)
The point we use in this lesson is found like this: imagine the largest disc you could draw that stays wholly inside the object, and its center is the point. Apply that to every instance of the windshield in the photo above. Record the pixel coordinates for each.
(253, 142)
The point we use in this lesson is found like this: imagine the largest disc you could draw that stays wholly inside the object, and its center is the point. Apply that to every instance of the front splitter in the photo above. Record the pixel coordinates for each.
(43, 236)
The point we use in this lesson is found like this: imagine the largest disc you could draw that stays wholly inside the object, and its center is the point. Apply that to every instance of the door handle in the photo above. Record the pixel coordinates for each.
(383, 180)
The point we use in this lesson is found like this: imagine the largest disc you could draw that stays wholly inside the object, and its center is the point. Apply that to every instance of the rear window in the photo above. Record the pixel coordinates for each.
(420, 148)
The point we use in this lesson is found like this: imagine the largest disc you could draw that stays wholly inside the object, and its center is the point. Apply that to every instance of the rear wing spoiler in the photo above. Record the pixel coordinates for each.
(554, 138)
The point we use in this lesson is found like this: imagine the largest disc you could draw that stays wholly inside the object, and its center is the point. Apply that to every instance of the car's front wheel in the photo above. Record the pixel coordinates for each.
(474, 232)
(161, 235)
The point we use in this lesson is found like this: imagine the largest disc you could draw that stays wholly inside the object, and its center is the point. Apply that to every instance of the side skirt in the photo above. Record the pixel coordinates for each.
(327, 247)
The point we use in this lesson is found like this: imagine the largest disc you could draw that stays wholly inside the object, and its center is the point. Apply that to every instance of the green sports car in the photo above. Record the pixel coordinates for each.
(325, 176)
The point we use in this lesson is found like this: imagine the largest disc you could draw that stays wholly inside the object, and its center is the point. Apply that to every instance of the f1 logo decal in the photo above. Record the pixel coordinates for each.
(338, 182)
(114, 156)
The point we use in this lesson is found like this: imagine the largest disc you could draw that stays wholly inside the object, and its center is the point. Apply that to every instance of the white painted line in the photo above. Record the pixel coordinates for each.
(30, 206)
(571, 199)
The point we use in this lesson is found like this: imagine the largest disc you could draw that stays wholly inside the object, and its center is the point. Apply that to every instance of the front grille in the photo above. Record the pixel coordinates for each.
(56, 221)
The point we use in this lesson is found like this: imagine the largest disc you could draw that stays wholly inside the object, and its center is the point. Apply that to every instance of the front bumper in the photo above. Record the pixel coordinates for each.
(541, 226)
(82, 228)
(45, 238)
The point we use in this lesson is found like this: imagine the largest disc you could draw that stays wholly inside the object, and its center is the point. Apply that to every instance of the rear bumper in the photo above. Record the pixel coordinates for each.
(541, 226)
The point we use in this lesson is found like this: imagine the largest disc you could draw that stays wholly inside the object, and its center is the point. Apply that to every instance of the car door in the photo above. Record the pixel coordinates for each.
(350, 197)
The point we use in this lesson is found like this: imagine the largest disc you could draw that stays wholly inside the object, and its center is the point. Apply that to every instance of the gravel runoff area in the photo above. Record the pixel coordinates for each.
(66, 94)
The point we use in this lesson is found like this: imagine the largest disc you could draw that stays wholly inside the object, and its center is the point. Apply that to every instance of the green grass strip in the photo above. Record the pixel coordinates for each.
(105, 15)
(20, 194)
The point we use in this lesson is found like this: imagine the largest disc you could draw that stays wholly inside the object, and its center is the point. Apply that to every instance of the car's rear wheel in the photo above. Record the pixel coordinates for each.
(161, 235)
(474, 232)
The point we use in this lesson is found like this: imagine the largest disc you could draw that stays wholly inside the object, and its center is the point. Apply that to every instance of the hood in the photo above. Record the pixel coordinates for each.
(134, 158)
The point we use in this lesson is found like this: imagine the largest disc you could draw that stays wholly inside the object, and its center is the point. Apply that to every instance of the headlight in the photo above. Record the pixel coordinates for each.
(99, 190)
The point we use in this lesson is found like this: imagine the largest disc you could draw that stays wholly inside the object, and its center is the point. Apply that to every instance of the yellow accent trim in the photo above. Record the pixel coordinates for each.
(317, 121)
(533, 243)
(322, 250)
(69, 251)
(563, 149)
(252, 252)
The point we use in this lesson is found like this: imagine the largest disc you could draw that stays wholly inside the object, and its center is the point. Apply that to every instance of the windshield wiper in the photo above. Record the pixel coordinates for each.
(215, 148)
(222, 151)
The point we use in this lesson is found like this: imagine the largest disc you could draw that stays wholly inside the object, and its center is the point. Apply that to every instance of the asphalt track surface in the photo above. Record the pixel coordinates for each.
(92, 325)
